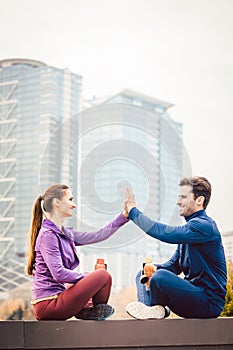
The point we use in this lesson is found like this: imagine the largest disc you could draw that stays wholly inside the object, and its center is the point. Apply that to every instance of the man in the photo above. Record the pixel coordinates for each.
(199, 256)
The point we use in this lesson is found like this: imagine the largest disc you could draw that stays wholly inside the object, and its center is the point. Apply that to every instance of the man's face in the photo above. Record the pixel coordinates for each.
(188, 205)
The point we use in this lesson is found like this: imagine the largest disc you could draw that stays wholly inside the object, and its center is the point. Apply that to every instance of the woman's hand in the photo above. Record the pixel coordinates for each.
(125, 210)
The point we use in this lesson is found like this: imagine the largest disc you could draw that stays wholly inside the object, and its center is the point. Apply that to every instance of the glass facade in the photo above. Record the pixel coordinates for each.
(128, 140)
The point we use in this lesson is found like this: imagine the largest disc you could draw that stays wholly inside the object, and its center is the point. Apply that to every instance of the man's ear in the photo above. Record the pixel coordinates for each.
(200, 200)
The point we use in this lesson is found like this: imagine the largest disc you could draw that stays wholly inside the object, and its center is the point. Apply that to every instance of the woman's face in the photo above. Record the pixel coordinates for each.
(65, 205)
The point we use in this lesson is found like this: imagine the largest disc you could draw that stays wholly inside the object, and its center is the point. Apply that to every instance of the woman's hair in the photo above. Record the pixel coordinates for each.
(42, 204)
(200, 187)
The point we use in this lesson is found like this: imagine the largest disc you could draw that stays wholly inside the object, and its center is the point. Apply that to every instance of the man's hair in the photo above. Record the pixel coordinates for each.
(200, 187)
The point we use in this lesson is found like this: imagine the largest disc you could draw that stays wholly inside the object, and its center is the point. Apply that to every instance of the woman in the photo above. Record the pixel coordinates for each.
(58, 291)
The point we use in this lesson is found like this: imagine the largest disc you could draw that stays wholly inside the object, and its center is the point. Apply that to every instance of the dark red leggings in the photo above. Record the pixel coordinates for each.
(96, 285)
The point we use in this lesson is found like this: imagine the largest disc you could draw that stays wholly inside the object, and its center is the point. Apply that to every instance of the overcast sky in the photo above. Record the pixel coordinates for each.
(180, 51)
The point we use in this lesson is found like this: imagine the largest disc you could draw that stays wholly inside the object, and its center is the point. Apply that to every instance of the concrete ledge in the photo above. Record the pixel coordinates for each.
(159, 334)
(11, 335)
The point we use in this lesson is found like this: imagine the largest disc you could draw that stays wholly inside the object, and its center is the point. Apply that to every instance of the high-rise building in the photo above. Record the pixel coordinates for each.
(37, 103)
(128, 140)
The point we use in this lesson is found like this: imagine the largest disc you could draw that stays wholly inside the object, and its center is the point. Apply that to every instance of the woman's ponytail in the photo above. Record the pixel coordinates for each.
(37, 218)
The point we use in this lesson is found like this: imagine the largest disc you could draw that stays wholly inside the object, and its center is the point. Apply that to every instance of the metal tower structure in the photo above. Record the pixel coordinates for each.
(9, 277)
(8, 105)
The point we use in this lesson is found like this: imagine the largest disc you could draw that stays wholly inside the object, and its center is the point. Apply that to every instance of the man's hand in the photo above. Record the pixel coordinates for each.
(129, 202)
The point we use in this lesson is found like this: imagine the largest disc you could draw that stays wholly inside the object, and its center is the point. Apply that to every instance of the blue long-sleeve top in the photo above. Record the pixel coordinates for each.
(199, 253)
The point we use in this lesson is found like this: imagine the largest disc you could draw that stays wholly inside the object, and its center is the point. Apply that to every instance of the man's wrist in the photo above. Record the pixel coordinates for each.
(130, 208)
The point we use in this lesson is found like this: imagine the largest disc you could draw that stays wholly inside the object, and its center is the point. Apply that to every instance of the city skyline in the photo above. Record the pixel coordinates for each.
(175, 50)
(128, 139)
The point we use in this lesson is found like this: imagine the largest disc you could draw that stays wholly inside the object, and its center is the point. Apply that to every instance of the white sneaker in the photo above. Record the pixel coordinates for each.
(141, 311)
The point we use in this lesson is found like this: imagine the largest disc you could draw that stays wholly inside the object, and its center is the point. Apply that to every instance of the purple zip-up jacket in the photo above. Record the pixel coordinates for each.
(56, 256)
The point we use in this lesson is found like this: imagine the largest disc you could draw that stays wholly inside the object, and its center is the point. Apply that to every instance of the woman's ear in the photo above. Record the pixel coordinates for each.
(56, 202)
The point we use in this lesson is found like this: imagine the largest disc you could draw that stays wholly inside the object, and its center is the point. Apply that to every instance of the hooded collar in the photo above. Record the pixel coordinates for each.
(196, 214)
(50, 225)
